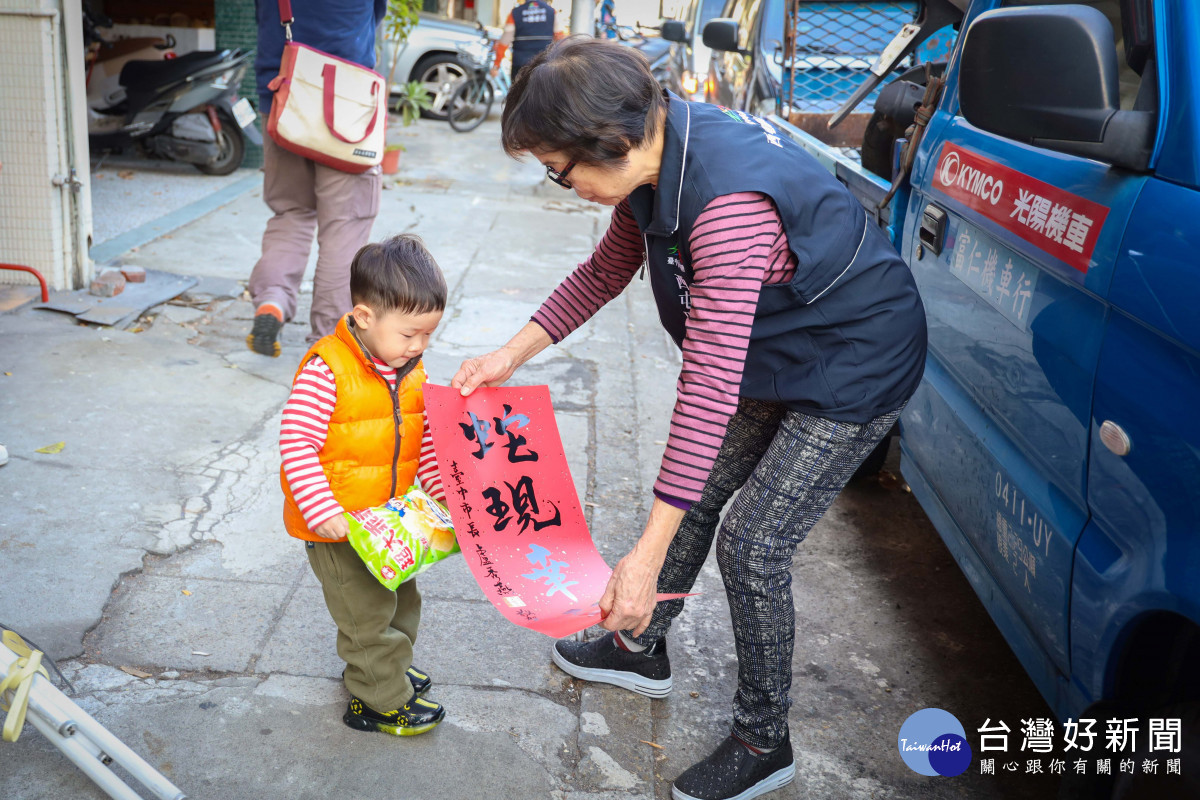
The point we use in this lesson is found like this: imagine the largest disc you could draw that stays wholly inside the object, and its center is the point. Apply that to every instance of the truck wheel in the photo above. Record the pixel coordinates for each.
(1139, 785)
(441, 73)
(232, 145)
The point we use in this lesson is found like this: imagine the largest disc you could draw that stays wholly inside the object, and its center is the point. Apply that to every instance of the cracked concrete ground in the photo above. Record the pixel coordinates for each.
(153, 541)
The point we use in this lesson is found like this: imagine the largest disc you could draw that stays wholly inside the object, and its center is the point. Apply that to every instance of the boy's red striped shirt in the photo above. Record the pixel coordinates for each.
(302, 435)
(737, 245)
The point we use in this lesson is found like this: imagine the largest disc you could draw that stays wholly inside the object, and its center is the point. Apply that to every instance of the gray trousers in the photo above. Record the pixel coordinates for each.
(792, 466)
(307, 197)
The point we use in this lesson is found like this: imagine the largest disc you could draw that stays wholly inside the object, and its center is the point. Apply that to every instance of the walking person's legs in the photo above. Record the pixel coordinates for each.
(346, 208)
(289, 191)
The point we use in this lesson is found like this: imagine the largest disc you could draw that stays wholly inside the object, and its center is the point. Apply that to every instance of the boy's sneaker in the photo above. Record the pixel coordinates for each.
(603, 661)
(419, 680)
(416, 716)
(734, 772)
(264, 336)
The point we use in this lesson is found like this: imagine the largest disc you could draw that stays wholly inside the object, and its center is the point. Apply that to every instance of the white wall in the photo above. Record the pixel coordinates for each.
(41, 223)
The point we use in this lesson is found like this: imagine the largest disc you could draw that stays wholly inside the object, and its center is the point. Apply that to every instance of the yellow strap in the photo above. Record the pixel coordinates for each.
(18, 681)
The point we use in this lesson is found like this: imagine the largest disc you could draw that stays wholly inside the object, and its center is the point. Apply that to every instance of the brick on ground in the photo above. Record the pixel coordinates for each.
(108, 283)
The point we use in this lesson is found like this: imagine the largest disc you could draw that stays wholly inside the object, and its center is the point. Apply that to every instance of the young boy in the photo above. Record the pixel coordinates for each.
(353, 436)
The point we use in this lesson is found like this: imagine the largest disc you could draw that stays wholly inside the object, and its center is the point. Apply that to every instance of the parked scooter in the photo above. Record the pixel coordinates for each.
(182, 109)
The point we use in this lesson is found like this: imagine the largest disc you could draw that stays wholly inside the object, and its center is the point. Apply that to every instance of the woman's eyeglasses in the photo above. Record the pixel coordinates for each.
(560, 177)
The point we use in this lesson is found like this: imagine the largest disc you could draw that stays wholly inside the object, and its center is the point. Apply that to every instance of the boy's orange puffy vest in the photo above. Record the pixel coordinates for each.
(374, 439)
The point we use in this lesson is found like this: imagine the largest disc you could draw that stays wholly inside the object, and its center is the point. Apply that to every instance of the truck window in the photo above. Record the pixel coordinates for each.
(1129, 79)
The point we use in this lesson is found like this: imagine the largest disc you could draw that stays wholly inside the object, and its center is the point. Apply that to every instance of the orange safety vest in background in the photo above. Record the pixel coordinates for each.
(374, 439)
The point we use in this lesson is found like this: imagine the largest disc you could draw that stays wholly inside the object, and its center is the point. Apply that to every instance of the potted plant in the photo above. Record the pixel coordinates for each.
(399, 22)
(402, 17)
(409, 104)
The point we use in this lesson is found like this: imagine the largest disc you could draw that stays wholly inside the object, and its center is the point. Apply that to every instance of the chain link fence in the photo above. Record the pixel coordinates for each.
(837, 42)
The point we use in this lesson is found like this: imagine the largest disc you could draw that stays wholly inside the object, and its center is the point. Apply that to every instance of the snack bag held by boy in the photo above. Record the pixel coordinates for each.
(353, 436)
(403, 537)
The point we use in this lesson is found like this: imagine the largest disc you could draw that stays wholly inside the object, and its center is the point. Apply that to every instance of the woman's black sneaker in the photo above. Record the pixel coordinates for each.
(603, 661)
(734, 772)
(416, 716)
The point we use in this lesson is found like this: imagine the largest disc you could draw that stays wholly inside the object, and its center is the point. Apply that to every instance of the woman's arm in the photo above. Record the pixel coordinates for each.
(736, 243)
(628, 600)
(496, 367)
(603, 276)
(593, 283)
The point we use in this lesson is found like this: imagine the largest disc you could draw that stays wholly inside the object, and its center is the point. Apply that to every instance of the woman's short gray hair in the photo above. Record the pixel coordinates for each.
(592, 100)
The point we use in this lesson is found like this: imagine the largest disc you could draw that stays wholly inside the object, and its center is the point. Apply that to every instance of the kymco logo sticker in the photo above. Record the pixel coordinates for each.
(950, 165)
(933, 742)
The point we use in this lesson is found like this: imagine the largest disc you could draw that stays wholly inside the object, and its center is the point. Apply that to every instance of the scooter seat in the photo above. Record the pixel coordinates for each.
(142, 76)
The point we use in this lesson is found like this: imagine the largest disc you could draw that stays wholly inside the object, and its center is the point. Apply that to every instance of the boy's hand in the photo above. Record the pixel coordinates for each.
(333, 528)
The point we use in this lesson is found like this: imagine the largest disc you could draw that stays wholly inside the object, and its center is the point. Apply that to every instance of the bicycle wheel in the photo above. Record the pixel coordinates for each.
(470, 104)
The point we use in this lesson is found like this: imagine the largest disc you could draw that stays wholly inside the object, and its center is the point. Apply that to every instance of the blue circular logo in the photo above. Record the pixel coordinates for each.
(933, 742)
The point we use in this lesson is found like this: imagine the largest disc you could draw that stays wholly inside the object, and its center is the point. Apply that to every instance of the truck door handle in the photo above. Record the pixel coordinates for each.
(933, 228)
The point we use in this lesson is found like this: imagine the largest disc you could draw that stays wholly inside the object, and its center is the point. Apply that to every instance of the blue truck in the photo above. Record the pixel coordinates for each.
(1048, 202)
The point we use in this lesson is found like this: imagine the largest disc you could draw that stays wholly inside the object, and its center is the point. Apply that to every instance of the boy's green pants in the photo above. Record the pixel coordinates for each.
(376, 626)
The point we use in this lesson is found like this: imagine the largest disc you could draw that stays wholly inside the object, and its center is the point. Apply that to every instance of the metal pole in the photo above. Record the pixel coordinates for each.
(582, 13)
(791, 31)
(86, 742)
(57, 708)
(113, 786)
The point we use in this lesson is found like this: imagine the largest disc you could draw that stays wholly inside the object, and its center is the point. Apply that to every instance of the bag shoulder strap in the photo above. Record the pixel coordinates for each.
(286, 18)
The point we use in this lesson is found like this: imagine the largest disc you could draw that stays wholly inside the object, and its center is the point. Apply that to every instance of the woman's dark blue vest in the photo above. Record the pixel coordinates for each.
(845, 339)
(534, 24)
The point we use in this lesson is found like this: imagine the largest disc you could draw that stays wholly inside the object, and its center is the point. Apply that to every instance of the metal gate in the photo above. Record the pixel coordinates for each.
(836, 42)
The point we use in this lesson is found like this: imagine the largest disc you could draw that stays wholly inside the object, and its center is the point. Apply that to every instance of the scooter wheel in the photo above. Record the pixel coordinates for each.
(232, 145)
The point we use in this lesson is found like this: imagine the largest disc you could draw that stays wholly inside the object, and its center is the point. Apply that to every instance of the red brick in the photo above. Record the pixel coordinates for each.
(108, 283)
(134, 274)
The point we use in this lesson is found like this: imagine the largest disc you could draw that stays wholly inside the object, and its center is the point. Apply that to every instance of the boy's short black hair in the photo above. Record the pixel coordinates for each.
(397, 274)
(592, 100)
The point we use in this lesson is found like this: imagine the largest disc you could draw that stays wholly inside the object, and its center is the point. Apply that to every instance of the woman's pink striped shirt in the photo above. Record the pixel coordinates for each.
(737, 245)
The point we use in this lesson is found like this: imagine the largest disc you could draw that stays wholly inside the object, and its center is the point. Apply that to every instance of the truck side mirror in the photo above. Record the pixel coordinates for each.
(1047, 76)
(675, 30)
(722, 34)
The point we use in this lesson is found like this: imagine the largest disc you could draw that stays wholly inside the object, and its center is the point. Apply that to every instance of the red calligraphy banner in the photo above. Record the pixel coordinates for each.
(516, 514)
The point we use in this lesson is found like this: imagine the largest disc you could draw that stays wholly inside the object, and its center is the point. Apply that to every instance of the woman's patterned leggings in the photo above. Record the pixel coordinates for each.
(792, 466)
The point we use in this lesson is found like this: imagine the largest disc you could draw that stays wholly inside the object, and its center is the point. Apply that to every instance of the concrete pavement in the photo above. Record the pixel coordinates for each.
(169, 483)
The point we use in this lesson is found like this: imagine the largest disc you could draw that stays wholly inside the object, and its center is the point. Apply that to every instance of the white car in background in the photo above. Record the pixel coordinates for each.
(431, 55)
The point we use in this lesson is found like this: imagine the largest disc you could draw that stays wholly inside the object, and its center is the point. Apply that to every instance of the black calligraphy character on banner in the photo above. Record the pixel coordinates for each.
(497, 508)
(506, 427)
(524, 503)
(477, 431)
